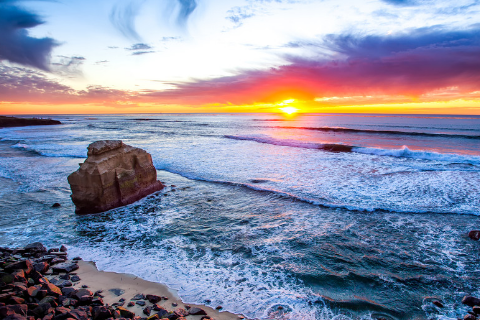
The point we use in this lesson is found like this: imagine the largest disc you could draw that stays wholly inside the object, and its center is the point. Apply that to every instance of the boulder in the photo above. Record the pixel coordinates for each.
(113, 175)
(471, 301)
(474, 235)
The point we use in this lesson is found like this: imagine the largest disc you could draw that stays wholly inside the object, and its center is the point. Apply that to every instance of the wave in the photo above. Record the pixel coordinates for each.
(319, 201)
(295, 143)
(388, 132)
(403, 152)
(52, 151)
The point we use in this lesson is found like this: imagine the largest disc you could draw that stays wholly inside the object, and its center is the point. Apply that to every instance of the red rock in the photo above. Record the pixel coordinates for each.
(19, 276)
(181, 312)
(51, 289)
(33, 290)
(60, 310)
(125, 313)
(16, 300)
(113, 175)
(197, 311)
(20, 309)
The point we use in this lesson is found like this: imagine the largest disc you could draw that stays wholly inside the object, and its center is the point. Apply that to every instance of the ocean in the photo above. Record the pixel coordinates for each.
(330, 216)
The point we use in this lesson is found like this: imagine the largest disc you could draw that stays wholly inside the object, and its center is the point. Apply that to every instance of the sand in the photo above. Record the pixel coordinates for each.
(131, 285)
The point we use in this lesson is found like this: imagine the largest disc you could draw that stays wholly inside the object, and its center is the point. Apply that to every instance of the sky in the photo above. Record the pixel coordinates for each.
(210, 56)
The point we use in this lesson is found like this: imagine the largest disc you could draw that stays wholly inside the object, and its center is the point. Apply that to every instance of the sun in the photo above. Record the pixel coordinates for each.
(289, 110)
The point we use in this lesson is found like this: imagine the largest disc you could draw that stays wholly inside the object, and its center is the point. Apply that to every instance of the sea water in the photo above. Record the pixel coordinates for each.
(328, 216)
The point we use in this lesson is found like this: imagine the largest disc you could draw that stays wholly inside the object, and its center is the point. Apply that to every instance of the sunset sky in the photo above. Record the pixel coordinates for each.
(146, 56)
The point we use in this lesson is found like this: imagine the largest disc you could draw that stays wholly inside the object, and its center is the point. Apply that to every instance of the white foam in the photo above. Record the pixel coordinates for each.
(405, 152)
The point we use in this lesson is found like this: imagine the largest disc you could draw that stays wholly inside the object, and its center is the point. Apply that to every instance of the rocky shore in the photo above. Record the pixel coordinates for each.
(23, 122)
(36, 283)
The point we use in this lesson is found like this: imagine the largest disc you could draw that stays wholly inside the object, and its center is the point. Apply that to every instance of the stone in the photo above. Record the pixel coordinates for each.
(131, 304)
(56, 205)
(162, 312)
(197, 311)
(82, 293)
(180, 312)
(65, 267)
(469, 317)
(471, 301)
(20, 309)
(68, 291)
(16, 300)
(117, 292)
(51, 289)
(438, 303)
(476, 310)
(126, 313)
(140, 303)
(75, 278)
(36, 247)
(78, 314)
(153, 298)
(41, 267)
(113, 175)
(474, 235)
(25, 265)
(138, 296)
(154, 317)
(101, 313)
(147, 311)
(15, 317)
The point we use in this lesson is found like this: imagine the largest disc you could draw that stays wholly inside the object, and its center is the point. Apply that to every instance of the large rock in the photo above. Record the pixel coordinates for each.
(113, 175)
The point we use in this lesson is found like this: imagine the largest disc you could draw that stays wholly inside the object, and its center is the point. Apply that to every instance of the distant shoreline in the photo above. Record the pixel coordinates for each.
(6, 122)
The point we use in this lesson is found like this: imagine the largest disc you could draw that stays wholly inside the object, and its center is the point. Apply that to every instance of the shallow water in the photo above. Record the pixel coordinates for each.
(268, 218)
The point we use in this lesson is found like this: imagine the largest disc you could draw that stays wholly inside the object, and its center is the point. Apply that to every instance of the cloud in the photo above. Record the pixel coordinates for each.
(15, 43)
(427, 64)
(137, 53)
(139, 46)
(401, 3)
(410, 64)
(21, 85)
(236, 15)
(68, 66)
(123, 15)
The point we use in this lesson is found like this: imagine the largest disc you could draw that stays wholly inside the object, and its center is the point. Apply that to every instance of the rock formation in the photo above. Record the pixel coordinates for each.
(113, 175)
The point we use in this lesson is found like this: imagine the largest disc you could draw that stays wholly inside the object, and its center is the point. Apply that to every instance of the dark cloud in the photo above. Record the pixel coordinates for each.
(139, 46)
(410, 64)
(123, 15)
(15, 43)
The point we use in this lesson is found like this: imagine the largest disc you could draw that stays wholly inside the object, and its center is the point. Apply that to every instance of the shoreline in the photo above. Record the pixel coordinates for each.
(131, 285)
(36, 283)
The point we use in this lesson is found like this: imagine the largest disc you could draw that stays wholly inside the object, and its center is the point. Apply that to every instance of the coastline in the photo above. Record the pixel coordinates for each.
(132, 285)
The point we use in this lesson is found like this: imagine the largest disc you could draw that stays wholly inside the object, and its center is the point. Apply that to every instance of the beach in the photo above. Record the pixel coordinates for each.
(132, 285)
